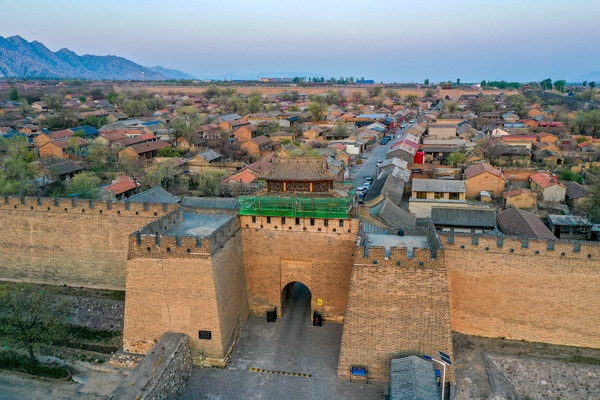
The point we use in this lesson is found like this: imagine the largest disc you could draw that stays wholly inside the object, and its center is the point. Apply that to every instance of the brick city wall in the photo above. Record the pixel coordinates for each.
(522, 289)
(396, 305)
(319, 255)
(186, 284)
(69, 241)
(162, 374)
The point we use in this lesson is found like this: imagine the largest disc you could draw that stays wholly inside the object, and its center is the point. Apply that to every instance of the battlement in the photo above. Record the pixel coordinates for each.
(157, 240)
(515, 245)
(80, 206)
(301, 224)
(397, 257)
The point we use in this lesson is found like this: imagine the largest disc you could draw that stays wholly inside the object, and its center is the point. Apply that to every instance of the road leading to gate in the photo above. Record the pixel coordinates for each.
(291, 344)
(368, 166)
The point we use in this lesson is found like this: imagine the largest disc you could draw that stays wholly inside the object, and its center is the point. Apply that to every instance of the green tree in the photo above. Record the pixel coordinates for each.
(255, 101)
(426, 82)
(135, 108)
(359, 97)
(30, 316)
(168, 152)
(83, 185)
(374, 91)
(340, 130)
(83, 99)
(483, 83)
(24, 107)
(412, 100)
(458, 81)
(591, 207)
(14, 93)
(429, 92)
(519, 104)
(587, 123)
(16, 166)
(560, 85)
(592, 84)
(316, 110)
(450, 107)
(456, 158)
(63, 120)
(155, 103)
(546, 84)
(53, 102)
(165, 174)
(237, 105)
(186, 123)
(212, 91)
(392, 93)
(333, 97)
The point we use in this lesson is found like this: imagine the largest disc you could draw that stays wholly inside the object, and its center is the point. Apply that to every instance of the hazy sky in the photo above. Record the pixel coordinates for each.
(392, 41)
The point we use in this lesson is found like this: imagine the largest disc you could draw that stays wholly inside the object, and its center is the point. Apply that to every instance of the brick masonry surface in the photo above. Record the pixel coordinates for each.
(162, 374)
(319, 256)
(72, 242)
(186, 293)
(396, 305)
(511, 291)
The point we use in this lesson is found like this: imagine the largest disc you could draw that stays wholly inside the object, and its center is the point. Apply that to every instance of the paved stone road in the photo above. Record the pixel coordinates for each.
(368, 166)
(291, 344)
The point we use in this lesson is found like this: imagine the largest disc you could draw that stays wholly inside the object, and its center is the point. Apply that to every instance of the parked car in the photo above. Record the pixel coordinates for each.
(369, 179)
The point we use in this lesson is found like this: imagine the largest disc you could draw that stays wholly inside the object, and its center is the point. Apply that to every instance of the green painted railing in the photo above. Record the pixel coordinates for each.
(295, 206)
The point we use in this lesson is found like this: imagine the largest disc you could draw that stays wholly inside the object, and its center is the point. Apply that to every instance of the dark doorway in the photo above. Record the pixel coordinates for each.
(295, 299)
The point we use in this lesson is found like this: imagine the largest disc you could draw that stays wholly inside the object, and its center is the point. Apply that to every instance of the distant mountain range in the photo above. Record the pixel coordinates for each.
(22, 59)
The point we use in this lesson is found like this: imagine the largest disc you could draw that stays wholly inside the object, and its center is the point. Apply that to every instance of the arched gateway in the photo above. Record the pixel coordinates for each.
(296, 298)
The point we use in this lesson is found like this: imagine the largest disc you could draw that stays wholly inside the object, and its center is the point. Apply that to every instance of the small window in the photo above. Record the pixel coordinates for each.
(254, 219)
(341, 223)
(421, 195)
(283, 220)
(454, 196)
(326, 222)
(312, 221)
(438, 195)
(268, 220)
(297, 221)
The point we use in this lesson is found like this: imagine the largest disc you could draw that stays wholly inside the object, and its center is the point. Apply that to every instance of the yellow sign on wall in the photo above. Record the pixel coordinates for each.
(319, 302)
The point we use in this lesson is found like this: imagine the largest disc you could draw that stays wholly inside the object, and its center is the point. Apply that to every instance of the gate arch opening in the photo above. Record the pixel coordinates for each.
(296, 298)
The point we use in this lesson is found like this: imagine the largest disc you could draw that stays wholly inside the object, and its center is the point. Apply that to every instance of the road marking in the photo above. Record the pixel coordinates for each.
(267, 371)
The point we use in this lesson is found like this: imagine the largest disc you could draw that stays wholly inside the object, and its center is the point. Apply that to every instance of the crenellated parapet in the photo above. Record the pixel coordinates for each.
(521, 246)
(80, 206)
(151, 242)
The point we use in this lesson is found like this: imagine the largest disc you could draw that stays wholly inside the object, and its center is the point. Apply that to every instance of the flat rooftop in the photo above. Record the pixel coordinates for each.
(409, 242)
(198, 224)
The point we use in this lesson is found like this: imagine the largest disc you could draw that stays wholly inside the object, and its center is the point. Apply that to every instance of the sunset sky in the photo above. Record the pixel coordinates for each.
(391, 41)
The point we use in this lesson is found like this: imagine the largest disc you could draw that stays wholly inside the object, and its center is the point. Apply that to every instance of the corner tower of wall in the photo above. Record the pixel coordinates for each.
(189, 284)
(397, 304)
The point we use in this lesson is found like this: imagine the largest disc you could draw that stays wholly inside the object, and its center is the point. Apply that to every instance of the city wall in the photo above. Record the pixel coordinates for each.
(185, 284)
(69, 241)
(316, 252)
(397, 304)
(162, 374)
(535, 290)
